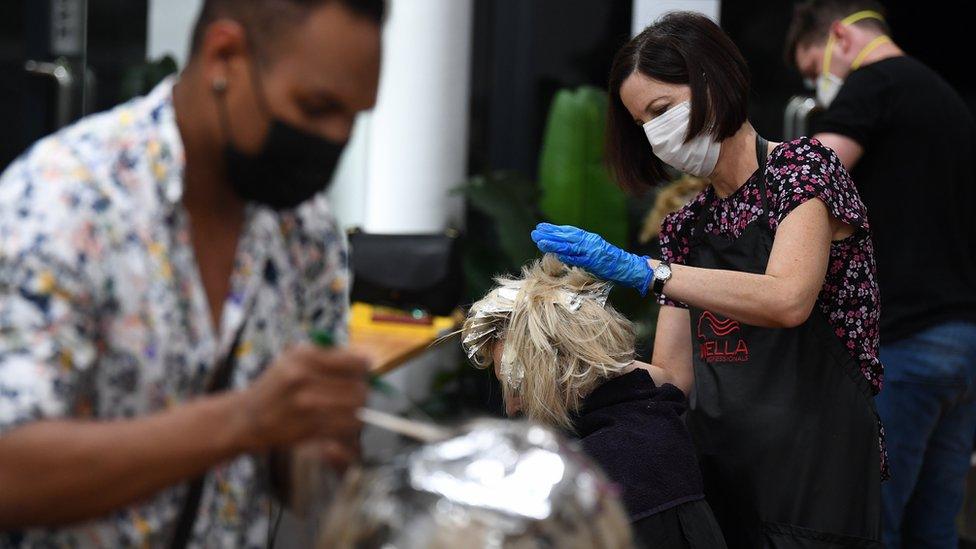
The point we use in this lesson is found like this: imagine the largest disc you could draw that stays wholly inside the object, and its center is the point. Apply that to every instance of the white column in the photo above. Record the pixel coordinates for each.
(648, 11)
(347, 193)
(170, 25)
(415, 152)
(418, 136)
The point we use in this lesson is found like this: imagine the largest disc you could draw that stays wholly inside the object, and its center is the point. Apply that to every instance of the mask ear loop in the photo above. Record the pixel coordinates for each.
(828, 54)
(872, 45)
(219, 88)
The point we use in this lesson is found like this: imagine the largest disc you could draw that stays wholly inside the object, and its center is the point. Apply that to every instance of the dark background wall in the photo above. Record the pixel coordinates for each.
(524, 51)
(116, 43)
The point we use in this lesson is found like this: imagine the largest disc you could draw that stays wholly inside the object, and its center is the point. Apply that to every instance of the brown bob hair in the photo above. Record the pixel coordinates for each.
(680, 48)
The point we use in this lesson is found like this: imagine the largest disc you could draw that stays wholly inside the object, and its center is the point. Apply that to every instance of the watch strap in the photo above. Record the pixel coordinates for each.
(657, 286)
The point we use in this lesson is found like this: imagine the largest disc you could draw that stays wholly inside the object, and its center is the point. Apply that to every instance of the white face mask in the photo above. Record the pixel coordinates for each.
(667, 132)
(828, 85)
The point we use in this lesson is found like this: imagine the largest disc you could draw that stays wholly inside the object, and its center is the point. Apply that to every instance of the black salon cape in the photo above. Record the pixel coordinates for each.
(633, 430)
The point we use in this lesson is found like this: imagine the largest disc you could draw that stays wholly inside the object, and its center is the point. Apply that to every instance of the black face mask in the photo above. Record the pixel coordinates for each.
(292, 166)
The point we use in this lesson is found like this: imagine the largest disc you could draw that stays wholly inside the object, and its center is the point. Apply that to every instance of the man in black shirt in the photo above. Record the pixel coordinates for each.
(908, 140)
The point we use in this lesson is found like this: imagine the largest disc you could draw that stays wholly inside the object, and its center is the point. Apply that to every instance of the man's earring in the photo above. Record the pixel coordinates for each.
(219, 84)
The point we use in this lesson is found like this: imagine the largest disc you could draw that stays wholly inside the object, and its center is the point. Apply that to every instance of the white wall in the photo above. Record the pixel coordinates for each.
(347, 193)
(418, 140)
(410, 152)
(169, 28)
(647, 11)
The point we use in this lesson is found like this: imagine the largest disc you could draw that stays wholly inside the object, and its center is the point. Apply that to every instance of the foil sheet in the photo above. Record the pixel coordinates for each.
(492, 314)
(497, 484)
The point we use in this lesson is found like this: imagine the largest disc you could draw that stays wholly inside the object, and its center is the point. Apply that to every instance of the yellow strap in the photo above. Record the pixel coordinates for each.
(851, 19)
(872, 45)
(864, 14)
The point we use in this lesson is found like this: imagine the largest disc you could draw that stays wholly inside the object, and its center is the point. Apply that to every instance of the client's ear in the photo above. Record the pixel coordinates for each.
(513, 405)
(497, 348)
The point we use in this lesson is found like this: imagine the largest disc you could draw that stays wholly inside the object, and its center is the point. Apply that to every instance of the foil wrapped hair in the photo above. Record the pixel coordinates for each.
(560, 339)
(497, 484)
(489, 316)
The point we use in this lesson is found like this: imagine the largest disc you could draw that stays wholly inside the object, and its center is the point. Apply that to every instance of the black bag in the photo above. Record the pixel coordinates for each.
(407, 271)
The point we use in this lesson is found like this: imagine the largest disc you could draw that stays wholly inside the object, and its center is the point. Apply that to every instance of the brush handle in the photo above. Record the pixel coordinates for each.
(417, 430)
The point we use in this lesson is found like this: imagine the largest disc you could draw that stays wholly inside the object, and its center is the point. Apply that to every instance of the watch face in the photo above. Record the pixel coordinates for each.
(663, 272)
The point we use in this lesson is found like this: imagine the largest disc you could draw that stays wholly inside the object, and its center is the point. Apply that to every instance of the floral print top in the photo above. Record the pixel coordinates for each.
(796, 172)
(103, 314)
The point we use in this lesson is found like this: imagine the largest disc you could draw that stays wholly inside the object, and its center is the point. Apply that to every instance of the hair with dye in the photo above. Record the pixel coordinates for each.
(562, 353)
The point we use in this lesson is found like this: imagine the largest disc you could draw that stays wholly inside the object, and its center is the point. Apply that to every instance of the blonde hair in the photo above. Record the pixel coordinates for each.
(560, 338)
(670, 199)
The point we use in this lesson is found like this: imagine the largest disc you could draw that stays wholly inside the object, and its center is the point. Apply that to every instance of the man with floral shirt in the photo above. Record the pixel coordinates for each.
(142, 247)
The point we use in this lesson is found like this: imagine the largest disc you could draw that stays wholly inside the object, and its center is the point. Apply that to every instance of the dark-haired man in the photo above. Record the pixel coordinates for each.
(907, 139)
(145, 249)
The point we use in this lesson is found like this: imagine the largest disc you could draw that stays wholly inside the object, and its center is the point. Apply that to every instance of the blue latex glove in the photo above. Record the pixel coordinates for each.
(579, 248)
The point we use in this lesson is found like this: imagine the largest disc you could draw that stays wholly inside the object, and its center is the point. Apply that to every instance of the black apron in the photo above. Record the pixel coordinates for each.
(782, 418)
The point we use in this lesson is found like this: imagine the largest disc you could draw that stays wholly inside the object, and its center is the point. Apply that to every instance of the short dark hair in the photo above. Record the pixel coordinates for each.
(680, 48)
(812, 19)
(263, 19)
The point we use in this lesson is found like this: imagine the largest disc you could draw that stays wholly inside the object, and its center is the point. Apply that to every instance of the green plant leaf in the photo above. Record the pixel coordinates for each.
(576, 187)
(509, 200)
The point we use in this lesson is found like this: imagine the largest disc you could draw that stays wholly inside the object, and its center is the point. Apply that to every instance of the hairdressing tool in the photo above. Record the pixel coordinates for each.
(418, 430)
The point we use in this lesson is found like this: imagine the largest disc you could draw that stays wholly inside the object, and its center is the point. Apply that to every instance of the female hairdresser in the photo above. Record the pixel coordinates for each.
(770, 316)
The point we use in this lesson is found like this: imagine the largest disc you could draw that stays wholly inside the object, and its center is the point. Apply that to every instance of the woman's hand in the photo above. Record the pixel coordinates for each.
(579, 248)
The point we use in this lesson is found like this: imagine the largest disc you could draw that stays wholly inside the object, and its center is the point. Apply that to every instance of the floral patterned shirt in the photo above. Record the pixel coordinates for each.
(103, 314)
(798, 171)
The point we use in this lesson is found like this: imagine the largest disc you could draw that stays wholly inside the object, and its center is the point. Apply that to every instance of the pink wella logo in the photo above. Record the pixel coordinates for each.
(720, 339)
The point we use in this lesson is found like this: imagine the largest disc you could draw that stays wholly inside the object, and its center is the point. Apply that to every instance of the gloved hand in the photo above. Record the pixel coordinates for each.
(579, 248)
